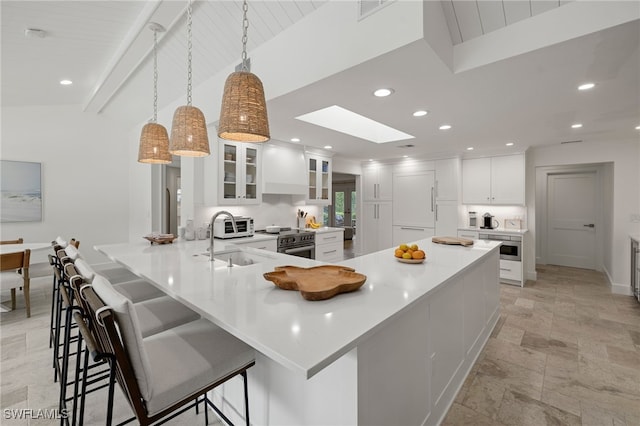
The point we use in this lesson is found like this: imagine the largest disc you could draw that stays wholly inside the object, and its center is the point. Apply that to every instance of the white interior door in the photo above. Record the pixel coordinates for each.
(572, 201)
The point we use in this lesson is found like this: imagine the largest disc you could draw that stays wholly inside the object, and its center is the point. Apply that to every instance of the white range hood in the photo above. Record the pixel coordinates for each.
(284, 170)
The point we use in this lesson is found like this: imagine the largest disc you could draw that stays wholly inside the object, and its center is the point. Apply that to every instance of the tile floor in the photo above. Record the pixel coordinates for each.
(565, 351)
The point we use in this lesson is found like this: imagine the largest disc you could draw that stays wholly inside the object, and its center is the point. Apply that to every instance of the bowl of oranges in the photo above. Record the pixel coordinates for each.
(409, 253)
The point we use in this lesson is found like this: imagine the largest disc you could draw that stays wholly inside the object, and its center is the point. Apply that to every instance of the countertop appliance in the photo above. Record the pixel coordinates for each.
(296, 242)
(223, 227)
(511, 248)
(489, 221)
(473, 220)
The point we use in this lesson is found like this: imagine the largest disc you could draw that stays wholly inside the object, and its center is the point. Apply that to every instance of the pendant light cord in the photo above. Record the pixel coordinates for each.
(245, 26)
(189, 18)
(155, 76)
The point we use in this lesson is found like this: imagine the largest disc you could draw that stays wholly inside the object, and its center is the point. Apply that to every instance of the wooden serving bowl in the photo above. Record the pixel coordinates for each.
(160, 240)
(318, 282)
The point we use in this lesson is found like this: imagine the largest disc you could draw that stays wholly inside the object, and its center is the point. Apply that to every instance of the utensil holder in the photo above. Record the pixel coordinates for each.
(301, 223)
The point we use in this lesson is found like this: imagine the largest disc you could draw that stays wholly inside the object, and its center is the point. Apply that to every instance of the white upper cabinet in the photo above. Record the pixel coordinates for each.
(447, 179)
(377, 182)
(319, 180)
(239, 173)
(507, 179)
(494, 180)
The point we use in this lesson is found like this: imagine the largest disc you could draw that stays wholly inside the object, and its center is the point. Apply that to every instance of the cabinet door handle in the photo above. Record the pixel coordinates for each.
(331, 238)
(432, 198)
(374, 191)
(436, 212)
(590, 225)
(330, 251)
(505, 269)
(437, 190)
(412, 229)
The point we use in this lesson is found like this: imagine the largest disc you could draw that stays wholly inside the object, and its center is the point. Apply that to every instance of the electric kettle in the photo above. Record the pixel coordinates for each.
(489, 222)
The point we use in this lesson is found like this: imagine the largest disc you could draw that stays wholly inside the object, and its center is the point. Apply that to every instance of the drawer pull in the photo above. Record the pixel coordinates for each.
(505, 269)
(330, 251)
(331, 238)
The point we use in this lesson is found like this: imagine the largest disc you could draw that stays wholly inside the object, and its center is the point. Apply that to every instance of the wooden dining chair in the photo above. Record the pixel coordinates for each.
(14, 273)
(18, 241)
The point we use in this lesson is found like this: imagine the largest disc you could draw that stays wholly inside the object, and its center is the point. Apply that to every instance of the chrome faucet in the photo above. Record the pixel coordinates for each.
(213, 218)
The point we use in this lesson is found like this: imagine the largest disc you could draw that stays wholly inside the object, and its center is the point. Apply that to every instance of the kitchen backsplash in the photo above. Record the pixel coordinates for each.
(274, 210)
(501, 213)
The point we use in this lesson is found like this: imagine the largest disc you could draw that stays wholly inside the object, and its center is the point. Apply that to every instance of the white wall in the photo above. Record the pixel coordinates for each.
(625, 197)
(85, 174)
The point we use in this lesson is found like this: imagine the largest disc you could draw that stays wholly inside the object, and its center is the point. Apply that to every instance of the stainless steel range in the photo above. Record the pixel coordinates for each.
(296, 242)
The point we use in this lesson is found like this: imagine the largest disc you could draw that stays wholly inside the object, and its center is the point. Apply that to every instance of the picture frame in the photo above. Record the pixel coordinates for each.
(20, 191)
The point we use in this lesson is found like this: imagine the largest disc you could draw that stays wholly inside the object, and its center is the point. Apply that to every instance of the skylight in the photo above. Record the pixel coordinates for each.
(345, 121)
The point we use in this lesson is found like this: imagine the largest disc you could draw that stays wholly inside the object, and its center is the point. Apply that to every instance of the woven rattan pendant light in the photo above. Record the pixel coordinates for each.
(189, 128)
(243, 116)
(154, 140)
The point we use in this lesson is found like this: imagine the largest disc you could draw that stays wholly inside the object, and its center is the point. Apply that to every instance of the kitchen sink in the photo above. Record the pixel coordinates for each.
(240, 257)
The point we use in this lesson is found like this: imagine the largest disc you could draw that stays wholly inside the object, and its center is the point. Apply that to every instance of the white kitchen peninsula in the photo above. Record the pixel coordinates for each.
(394, 352)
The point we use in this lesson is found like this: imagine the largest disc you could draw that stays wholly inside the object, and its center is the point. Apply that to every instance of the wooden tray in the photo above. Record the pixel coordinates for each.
(318, 282)
(160, 240)
(452, 241)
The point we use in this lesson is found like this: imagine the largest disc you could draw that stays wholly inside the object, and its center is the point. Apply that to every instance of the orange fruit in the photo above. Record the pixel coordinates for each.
(414, 247)
(418, 254)
(398, 253)
(410, 252)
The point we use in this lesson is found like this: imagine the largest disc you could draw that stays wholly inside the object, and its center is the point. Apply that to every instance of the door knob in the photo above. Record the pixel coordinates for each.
(590, 225)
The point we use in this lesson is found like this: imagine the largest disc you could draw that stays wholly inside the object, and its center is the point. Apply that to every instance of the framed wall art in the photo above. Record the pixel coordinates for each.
(21, 191)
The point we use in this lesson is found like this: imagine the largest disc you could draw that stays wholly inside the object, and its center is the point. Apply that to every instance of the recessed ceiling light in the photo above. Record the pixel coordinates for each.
(586, 86)
(470, 148)
(420, 113)
(370, 159)
(637, 127)
(328, 147)
(405, 156)
(509, 144)
(576, 126)
(445, 127)
(295, 139)
(345, 121)
(381, 93)
(66, 82)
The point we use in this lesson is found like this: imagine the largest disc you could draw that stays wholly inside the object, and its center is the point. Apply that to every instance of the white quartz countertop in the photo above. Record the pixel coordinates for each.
(324, 229)
(497, 231)
(303, 336)
(255, 237)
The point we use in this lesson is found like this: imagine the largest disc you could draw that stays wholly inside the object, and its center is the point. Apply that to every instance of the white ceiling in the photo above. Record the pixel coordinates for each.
(531, 99)
(469, 19)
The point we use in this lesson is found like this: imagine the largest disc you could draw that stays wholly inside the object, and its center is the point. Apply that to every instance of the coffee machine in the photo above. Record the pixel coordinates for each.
(489, 221)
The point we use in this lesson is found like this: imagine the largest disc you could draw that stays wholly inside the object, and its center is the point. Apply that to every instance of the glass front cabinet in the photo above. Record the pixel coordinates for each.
(319, 176)
(239, 173)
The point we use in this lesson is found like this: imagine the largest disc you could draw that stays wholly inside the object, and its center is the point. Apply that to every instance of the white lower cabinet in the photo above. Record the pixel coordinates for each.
(269, 245)
(511, 270)
(377, 233)
(330, 246)
(409, 234)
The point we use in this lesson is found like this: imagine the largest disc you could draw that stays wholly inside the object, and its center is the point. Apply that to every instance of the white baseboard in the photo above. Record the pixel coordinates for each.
(531, 275)
(617, 288)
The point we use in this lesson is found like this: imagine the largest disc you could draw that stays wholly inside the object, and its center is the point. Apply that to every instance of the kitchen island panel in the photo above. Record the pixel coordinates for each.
(394, 348)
